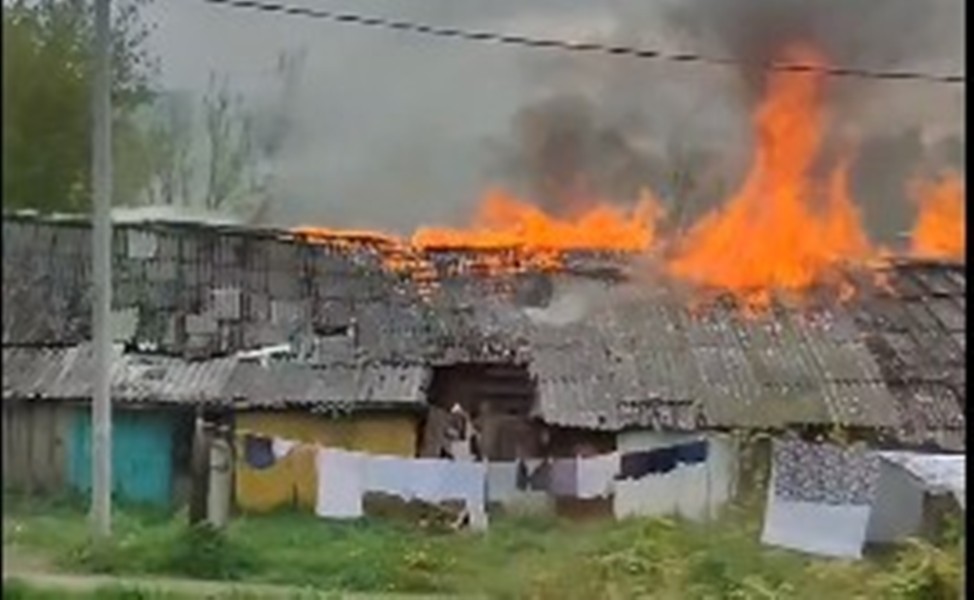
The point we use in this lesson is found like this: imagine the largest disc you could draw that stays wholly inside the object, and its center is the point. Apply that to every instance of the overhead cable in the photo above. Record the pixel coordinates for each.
(574, 46)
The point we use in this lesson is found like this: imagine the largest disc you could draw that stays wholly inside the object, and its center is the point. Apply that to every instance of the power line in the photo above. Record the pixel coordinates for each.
(593, 47)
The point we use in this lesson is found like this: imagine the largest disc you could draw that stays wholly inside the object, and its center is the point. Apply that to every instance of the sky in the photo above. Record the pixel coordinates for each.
(392, 130)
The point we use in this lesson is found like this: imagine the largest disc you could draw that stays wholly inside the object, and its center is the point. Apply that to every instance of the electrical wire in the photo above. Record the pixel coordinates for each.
(592, 47)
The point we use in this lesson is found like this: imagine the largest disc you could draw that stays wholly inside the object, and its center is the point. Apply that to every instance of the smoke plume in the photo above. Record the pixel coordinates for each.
(391, 131)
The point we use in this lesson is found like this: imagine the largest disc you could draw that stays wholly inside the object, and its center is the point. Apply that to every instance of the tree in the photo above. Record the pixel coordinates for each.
(228, 167)
(47, 107)
(169, 142)
(229, 131)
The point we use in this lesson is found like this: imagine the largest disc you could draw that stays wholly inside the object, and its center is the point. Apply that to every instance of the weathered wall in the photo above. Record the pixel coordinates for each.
(35, 446)
(142, 454)
(690, 491)
(293, 481)
(203, 291)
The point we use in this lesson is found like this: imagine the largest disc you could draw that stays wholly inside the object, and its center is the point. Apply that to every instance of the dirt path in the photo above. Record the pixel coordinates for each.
(38, 572)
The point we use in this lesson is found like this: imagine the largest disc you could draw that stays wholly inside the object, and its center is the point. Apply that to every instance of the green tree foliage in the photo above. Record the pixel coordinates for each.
(47, 102)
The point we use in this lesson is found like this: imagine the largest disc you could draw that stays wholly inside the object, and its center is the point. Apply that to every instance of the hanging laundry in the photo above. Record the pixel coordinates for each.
(564, 478)
(819, 498)
(340, 483)
(635, 465)
(432, 480)
(502, 480)
(540, 478)
(692, 453)
(596, 475)
(280, 447)
(523, 479)
(257, 452)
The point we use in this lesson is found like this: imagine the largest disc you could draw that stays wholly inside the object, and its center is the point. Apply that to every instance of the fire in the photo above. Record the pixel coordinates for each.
(780, 234)
(508, 235)
(503, 221)
(344, 237)
(776, 232)
(939, 232)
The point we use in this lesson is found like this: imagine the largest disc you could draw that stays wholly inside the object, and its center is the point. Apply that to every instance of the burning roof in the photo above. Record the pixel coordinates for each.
(773, 309)
(608, 349)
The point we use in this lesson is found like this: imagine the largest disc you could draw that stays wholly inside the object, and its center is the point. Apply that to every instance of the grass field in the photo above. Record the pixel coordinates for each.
(656, 558)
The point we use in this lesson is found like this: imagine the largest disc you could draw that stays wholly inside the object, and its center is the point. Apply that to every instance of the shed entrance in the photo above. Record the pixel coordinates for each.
(496, 399)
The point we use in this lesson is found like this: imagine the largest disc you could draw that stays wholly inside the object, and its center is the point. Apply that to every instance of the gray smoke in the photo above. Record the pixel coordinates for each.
(853, 33)
(564, 153)
(607, 128)
(392, 130)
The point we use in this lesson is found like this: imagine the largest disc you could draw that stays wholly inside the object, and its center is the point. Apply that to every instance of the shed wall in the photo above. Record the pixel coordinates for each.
(35, 446)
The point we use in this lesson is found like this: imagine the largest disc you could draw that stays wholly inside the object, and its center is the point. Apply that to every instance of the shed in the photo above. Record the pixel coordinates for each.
(47, 422)
(370, 407)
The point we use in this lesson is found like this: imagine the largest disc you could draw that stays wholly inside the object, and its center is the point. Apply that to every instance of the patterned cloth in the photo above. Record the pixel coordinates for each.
(824, 473)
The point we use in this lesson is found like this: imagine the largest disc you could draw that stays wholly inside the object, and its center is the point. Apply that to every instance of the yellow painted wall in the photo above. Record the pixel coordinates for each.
(293, 480)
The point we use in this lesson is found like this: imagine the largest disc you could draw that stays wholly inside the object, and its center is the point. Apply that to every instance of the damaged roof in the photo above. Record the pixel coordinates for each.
(68, 373)
(605, 355)
(338, 387)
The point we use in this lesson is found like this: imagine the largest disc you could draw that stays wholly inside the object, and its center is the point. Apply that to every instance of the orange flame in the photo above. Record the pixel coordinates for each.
(511, 235)
(772, 234)
(939, 232)
(503, 221)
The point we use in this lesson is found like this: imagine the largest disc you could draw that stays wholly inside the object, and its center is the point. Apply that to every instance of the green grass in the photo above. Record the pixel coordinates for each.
(15, 589)
(657, 558)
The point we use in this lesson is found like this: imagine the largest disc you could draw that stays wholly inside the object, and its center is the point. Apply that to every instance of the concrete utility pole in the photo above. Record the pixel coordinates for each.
(101, 402)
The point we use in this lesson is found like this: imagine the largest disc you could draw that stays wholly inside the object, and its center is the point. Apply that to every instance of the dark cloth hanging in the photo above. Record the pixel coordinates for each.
(662, 460)
(522, 476)
(540, 479)
(636, 465)
(258, 452)
(692, 453)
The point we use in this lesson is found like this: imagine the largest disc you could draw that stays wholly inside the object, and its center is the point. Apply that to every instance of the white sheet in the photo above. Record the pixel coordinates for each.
(501, 481)
(429, 479)
(340, 478)
(596, 475)
(835, 530)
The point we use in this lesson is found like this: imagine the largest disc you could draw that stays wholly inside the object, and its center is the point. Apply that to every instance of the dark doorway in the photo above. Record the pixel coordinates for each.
(498, 398)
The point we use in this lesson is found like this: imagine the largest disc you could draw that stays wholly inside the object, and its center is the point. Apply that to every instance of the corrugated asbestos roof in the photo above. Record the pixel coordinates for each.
(719, 368)
(377, 385)
(67, 374)
(891, 358)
